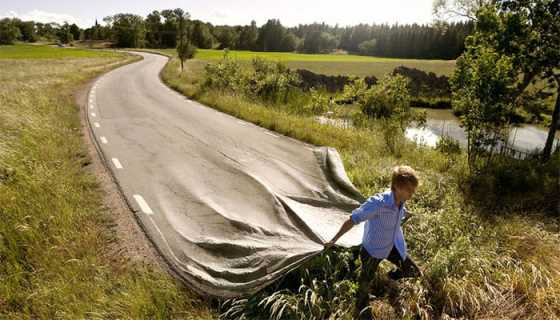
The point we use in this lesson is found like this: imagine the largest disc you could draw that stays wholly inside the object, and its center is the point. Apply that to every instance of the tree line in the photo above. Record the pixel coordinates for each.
(14, 29)
(160, 29)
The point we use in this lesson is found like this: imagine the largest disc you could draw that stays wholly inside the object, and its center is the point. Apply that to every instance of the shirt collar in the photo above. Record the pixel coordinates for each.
(391, 199)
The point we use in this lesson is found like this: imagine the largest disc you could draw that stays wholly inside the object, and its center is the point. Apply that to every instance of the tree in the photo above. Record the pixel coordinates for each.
(319, 41)
(27, 30)
(227, 36)
(201, 36)
(169, 29)
(45, 30)
(63, 33)
(529, 33)
(185, 50)
(289, 43)
(270, 36)
(154, 30)
(368, 47)
(248, 37)
(448, 9)
(482, 92)
(128, 30)
(75, 31)
(9, 32)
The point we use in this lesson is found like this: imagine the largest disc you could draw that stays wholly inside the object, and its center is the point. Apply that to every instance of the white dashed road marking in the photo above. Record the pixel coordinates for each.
(143, 205)
(93, 114)
(96, 124)
(117, 163)
(103, 139)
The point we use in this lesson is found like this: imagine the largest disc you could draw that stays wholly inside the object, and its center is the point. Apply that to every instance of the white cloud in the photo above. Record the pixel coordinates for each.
(45, 17)
(220, 15)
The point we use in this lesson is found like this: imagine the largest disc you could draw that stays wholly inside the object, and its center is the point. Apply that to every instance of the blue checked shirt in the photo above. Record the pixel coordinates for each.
(383, 228)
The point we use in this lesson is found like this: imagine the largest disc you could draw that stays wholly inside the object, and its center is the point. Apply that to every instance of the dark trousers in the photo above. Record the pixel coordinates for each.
(405, 268)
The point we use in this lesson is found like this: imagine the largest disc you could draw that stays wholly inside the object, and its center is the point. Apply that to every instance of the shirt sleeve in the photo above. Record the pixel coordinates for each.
(368, 210)
(405, 213)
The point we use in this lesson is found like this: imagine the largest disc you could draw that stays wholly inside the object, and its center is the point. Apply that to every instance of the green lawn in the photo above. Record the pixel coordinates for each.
(26, 51)
(332, 64)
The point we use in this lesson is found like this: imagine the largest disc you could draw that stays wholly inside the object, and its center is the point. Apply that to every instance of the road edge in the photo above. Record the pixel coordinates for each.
(133, 240)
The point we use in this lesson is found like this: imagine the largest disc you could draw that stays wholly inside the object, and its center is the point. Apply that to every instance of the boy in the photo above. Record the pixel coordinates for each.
(383, 237)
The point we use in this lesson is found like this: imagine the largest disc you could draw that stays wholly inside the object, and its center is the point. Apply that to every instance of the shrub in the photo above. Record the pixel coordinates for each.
(448, 146)
(228, 74)
(273, 81)
(433, 102)
(318, 104)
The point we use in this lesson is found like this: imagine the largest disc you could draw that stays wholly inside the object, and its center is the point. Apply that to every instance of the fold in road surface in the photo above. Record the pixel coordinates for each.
(229, 205)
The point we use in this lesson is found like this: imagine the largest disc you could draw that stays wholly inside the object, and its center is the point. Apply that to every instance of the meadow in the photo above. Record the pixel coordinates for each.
(479, 260)
(60, 257)
(331, 64)
(44, 51)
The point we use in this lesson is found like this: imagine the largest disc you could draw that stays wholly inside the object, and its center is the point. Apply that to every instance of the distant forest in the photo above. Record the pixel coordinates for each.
(160, 29)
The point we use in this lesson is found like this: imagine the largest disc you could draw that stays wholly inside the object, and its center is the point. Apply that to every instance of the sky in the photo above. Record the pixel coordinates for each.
(219, 12)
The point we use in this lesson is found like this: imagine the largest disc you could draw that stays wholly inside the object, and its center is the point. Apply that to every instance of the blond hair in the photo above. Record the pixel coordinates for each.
(404, 175)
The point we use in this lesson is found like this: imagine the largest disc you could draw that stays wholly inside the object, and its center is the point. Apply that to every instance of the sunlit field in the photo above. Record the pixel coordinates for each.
(58, 257)
(25, 51)
(331, 64)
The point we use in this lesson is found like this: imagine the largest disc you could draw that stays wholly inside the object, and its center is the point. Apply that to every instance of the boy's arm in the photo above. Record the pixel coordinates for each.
(347, 225)
(366, 211)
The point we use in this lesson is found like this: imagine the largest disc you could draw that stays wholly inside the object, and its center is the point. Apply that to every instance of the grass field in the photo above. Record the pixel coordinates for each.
(59, 256)
(332, 64)
(476, 265)
(24, 51)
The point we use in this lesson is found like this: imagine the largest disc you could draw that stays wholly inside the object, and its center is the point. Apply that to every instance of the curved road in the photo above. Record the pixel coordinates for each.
(229, 205)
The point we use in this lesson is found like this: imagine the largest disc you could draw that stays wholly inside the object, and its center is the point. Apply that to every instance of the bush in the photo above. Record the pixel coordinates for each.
(228, 74)
(448, 146)
(432, 103)
(393, 135)
(388, 98)
(388, 101)
(425, 84)
(516, 185)
(273, 81)
(319, 103)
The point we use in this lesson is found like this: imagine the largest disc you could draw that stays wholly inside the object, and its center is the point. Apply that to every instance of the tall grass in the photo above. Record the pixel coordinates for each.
(476, 265)
(56, 237)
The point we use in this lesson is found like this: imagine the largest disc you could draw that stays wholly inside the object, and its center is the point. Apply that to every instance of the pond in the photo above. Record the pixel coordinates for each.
(523, 138)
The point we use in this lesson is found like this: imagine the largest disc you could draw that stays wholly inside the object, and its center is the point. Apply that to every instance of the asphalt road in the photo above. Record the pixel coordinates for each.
(229, 205)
